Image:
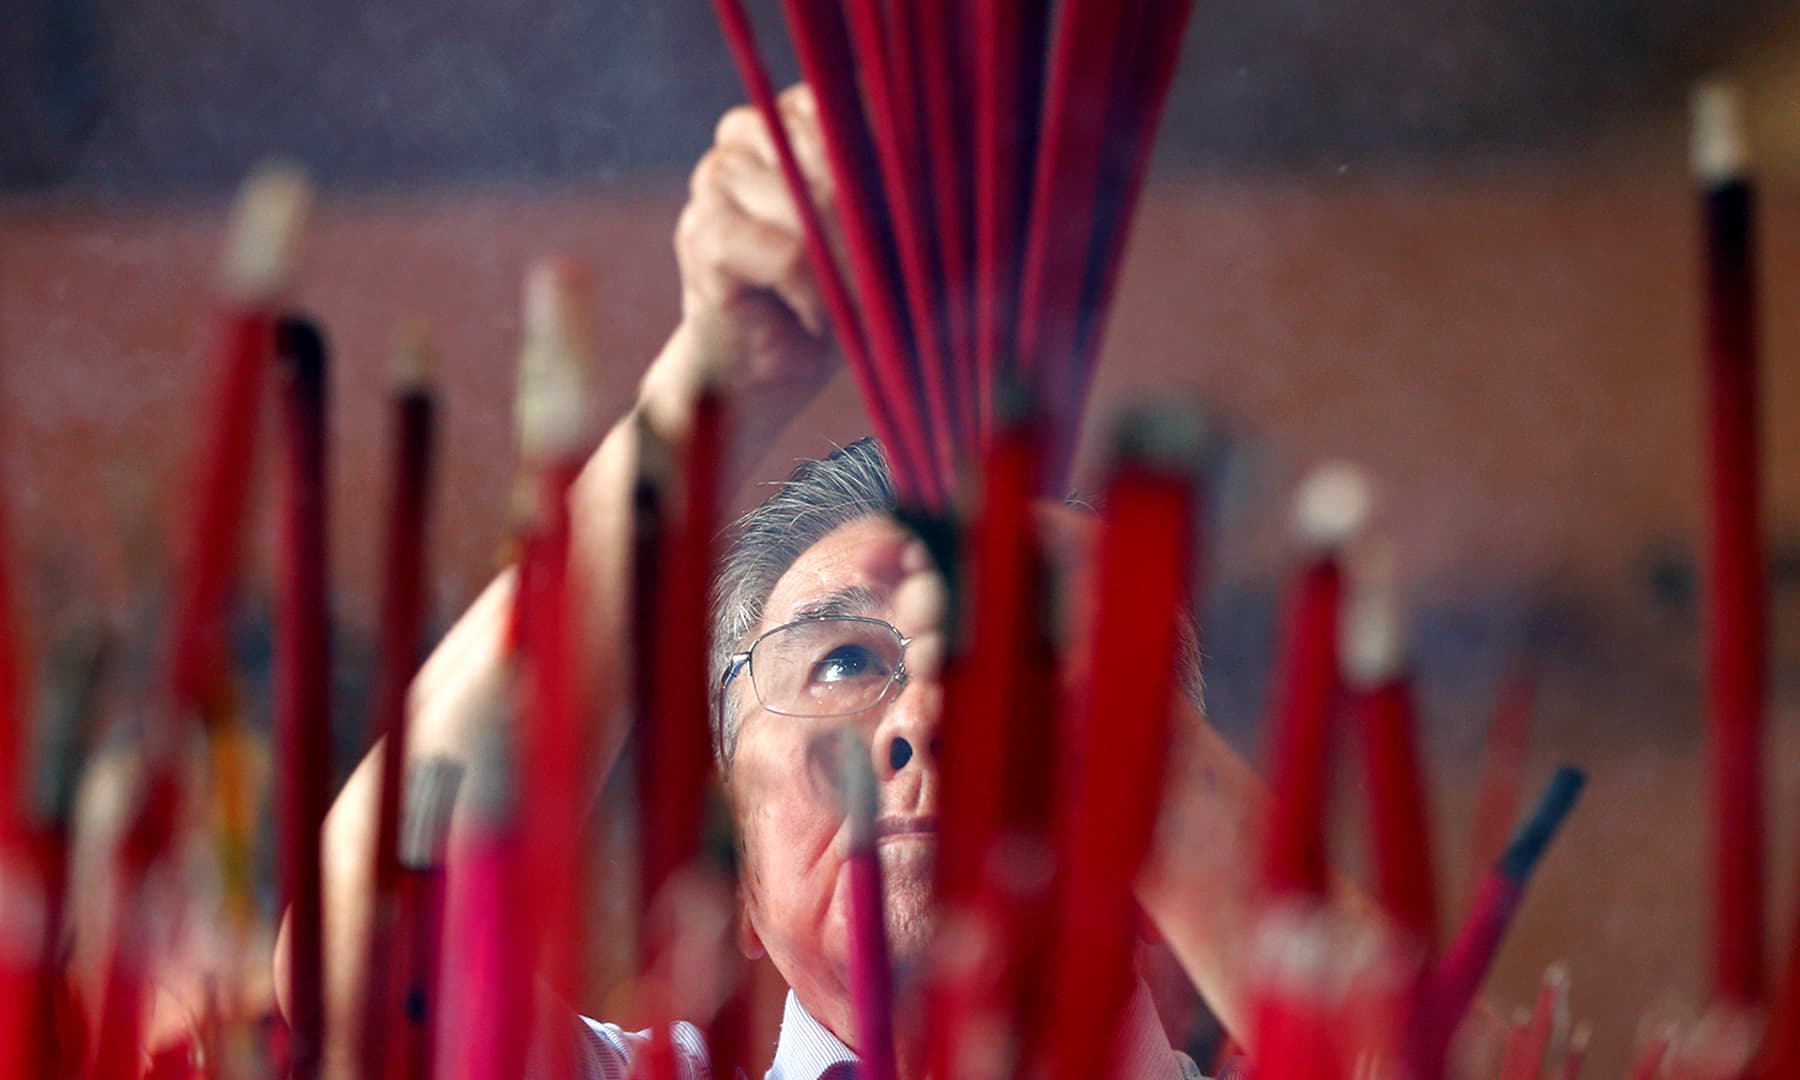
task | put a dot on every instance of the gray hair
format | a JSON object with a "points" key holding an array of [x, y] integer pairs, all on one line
{"points": [[819, 497]]}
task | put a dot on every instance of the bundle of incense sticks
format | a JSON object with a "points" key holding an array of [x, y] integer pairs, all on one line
{"points": [[413, 405], [1736, 621], [260, 248], [976, 257]]}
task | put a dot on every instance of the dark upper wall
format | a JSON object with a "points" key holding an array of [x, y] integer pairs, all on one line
{"points": [[155, 96]]}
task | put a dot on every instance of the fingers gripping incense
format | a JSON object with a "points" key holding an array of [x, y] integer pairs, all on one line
{"points": [[825, 48], [851, 333]]}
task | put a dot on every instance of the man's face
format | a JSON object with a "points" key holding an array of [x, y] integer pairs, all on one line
{"points": [[796, 886]]}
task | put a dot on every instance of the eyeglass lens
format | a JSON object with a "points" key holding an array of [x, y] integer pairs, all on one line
{"points": [[825, 667]]}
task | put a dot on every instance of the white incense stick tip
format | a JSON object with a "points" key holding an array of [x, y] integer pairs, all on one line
{"points": [[414, 365], [1374, 627], [266, 222], [1335, 502], [554, 409], [1581, 1037], [1720, 142], [1557, 975], [425, 817]]}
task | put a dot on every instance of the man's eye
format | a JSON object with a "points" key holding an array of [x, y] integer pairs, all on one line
{"points": [[847, 662]]}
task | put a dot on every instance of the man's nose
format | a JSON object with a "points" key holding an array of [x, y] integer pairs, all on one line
{"points": [[907, 735]]}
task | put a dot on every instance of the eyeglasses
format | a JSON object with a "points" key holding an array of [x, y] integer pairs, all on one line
{"points": [[835, 665]]}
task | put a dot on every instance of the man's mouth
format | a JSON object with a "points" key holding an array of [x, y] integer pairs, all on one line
{"points": [[894, 827]]}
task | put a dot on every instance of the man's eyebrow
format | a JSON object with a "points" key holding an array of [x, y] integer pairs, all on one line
{"points": [[850, 600]]}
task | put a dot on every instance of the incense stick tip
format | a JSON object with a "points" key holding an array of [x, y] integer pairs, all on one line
{"points": [[1720, 142], [414, 365], [266, 222], [1169, 438], [1373, 623], [553, 408], [1335, 501]]}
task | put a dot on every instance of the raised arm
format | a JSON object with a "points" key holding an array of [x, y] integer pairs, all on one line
{"points": [[752, 322]]}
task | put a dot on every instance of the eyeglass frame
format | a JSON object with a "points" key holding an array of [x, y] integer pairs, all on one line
{"points": [[740, 661]]}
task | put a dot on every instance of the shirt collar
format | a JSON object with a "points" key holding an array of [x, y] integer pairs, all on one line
{"points": [[806, 1050]]}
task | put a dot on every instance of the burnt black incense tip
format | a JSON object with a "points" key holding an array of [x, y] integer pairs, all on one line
{"points": [[300, 344], [1168, 438], [1536, 832]]}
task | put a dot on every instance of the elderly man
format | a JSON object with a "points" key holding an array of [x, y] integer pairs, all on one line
{"points": [[820, 559]]}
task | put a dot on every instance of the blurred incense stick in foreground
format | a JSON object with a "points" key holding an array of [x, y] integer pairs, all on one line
{"points": [[1736, 619], [413, 410]]}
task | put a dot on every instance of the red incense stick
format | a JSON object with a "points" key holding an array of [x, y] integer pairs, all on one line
{"points": [[1465, 962], [675, 744], [1382, 700], [1331, 508], [1146, 555], [1088, 34], [414, 408], [1546, 1017], [555, 424], [673, 534], [871, 383], [871, 977], [303, 677], [1736, 619], [411, 1030], [945, 80], [1781, 1056], [1503, 754], [18, 977], [888, 67], [1576, 1055], [1649, 1063], [1294, 1024], [1009, 38], [825, 50], [1513, 1061], [1139, 94], [489, 987], [265, 228], [985, 685]]}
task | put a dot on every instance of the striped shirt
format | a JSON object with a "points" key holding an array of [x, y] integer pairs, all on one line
{"points": [[807, 1051]]}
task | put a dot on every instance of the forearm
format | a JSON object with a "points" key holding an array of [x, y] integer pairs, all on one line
{"points": [[1199, 886], [461, 687]]}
